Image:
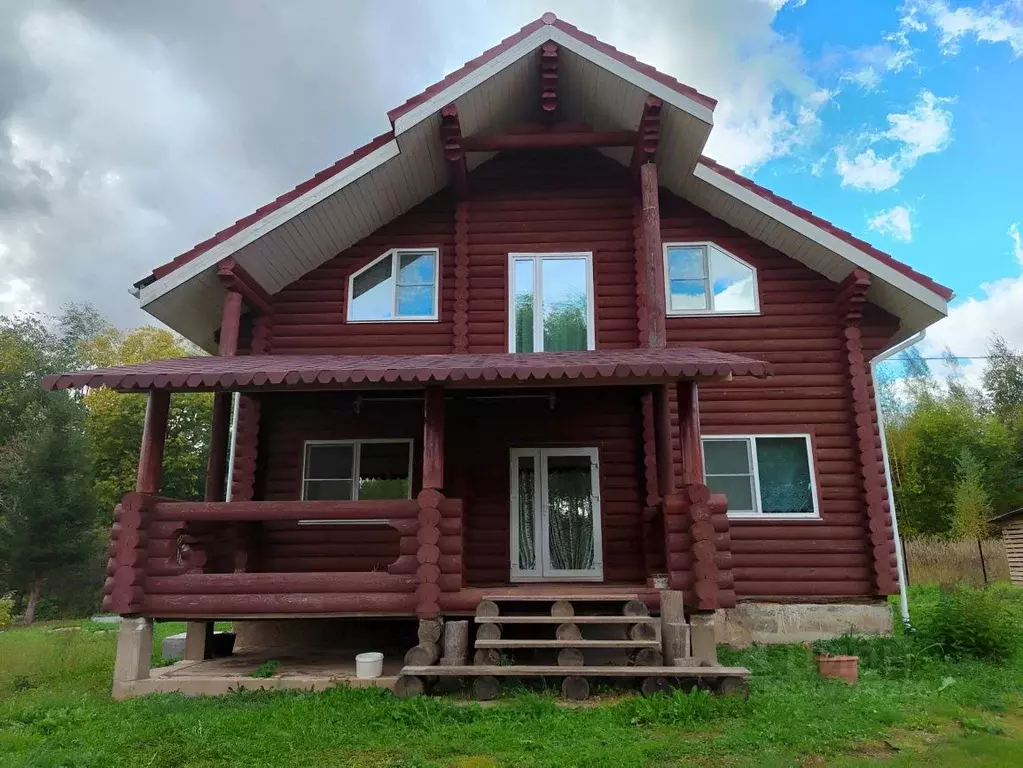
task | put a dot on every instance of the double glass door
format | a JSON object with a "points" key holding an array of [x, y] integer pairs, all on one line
{"points": [[555, 515]]}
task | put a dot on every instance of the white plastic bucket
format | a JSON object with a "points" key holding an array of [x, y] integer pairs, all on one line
{"points": [[369, 665]]}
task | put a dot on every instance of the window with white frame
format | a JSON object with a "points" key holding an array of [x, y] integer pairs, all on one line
{"points": [[401, 285], [762, 475], [550, 304], [350, 470], [704, 279]]}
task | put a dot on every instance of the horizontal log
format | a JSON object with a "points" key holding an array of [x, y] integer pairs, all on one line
{"points": [[233, 511], [279, 583], [325, 564], [803, 588], [548, 140], [216, 606]]}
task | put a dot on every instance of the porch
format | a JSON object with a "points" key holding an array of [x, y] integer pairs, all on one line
{"points": [[487, 437]]}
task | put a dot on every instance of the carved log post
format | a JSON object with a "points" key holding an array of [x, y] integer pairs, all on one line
{"points": [[852, 297], [230, 324], [653, 262]]}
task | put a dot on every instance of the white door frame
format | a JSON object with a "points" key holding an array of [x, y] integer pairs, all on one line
{"points": [[541, 530]]}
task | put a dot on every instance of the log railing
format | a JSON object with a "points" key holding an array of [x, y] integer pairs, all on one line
{"points": [[172, 558]]}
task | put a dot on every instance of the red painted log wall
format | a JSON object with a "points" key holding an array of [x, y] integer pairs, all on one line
{"points": [[800, 331], [309, 314], [581, 201]]}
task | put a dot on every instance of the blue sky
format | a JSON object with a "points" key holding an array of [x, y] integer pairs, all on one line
{"points": [[961, 198], [131, 131]]}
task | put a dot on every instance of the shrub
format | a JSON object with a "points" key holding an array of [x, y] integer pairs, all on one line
{"points": [[6, 611], [968, 622]]}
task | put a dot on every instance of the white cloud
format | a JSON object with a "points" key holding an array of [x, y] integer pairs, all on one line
{"points": [[768, 102], [1017, 244], [872, 62], [126, 136], [894, 222], [1001, 23], [866, 170], [970, 324], [924, 130]]}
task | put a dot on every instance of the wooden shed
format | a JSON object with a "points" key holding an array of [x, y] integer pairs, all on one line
{"points": [[1011, 525]]}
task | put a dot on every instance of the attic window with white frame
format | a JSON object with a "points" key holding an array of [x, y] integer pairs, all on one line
{"points": [[400, 286], [702, 279]]}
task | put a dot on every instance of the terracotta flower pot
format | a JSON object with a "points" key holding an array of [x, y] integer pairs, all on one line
{"points": [[844, 667]]}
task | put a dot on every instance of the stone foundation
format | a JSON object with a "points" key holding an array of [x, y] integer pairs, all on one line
{"points": [[776, 623]]}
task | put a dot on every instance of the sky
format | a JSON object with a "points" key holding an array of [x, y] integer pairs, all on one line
{"points": [[131, 131]]}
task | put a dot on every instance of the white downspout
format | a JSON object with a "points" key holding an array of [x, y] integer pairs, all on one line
{"points": [[899, 557], [233, 435]]}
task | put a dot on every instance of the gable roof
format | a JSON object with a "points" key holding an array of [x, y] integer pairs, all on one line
{"points": [[384, 178]]}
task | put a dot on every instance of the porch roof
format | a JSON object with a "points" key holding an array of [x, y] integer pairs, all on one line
{"points": [[602, 366]]}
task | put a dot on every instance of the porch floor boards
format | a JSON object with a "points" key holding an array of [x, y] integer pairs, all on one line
{"points": [[551, 594], [544, 643], [628, 620]]}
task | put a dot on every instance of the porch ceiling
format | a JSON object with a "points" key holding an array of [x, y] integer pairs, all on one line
{"points": [[595, 367]]}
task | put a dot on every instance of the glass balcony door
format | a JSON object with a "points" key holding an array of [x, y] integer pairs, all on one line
{"points": [[555, 515]]}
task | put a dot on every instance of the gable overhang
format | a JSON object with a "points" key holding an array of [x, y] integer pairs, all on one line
{"points": [[913, 298], [402, 168], [396, 171]]}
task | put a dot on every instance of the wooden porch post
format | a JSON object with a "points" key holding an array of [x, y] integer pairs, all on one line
{"points": [[689, 432], [216, 466], [665, 453], [154, 433], [199, 634], [433, 439]]}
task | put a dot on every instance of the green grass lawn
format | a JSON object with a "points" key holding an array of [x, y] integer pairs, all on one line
{"points": [[908, 709]]}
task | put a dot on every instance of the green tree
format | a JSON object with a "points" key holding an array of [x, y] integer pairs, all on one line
{"points": [[1003, 379], [114, 421], [48, 511], [971, 507]]}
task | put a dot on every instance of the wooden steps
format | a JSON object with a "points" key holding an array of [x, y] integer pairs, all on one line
{"points": [[566, 620], [598, 634], [545, 643]]}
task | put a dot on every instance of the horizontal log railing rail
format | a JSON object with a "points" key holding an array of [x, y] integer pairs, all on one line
{"points": [[187, 559]]}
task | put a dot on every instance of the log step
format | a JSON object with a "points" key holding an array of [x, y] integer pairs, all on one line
{"points": [[568, 644], [552, 598], [529, 670], [566, 619]]}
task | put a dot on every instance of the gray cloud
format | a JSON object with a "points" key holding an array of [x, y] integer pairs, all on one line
{"points": [[131, 131]]}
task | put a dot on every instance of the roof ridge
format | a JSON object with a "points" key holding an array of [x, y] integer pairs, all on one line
{"points": [[842, 234]]}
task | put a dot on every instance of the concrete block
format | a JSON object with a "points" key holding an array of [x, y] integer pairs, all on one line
{"points": [[134, 650], [173, 646]]}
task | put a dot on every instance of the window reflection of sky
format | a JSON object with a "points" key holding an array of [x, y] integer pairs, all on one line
{"points": [[375, 294]]}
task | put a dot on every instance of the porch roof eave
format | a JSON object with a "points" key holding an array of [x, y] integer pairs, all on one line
{"points": [[330, 372]]}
